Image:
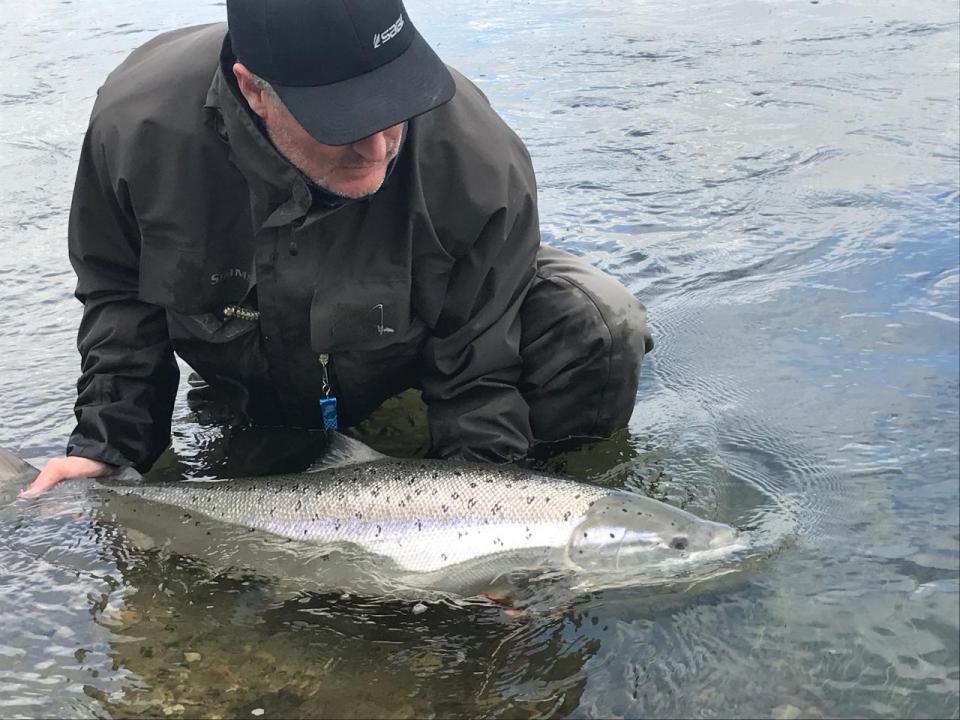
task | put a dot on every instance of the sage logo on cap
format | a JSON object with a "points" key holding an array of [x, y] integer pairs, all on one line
{"points": [[388, 34]]}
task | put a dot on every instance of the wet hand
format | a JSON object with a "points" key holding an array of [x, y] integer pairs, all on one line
{"points": [[62, 468]]}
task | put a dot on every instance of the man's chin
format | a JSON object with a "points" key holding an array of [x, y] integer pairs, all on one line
{"points": [[351, 190]]}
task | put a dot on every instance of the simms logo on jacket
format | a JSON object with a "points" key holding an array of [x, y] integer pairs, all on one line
{"points": [[387, 35]]}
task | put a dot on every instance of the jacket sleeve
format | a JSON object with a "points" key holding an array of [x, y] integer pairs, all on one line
{"points": [[472, 360], [128, 375]]}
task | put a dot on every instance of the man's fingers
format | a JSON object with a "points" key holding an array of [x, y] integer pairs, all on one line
{"points": [[61, 468], [43, 482]]}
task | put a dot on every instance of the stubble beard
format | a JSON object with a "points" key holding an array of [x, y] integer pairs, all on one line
{"points": [[288, 148]]}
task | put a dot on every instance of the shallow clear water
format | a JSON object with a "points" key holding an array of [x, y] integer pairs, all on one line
{"points": [[779, 182]]}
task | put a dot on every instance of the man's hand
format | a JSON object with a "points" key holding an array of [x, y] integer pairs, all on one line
{"points": [[65, 467]]}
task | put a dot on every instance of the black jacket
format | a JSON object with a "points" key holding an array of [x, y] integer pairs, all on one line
{"points": [[182, 207]]}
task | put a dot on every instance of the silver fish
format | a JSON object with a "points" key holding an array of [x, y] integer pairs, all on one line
{"points": [[436, 525]]}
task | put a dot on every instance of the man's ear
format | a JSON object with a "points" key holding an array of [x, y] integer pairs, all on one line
{"points": [[254, 95]]}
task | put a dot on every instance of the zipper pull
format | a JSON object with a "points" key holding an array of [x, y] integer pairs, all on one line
{"points": [[328, 403]]}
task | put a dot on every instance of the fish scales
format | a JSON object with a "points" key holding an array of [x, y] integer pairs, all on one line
{"points": [[423, 515]]}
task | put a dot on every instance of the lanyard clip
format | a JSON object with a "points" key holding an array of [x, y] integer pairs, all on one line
{"points": [[328, 403]]}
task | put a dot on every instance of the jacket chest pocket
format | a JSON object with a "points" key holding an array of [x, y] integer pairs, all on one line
{"points": [[368, 314], [190, 282]]}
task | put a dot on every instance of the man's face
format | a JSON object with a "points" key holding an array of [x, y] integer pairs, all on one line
{"points": [[352, 171]]}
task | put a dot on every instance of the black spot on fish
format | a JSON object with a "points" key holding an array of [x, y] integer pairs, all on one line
{"points": [[584, 534], [530, 500], [359, 515], [612, 535], [473, 484], [623, 509], [566, 515], [433, 475], [457, 473], [443, 556], [419, 525], [299, 505], [455, 496], [379, 530]]}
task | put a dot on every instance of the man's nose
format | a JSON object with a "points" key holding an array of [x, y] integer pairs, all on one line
{"points": [[372, 148]]}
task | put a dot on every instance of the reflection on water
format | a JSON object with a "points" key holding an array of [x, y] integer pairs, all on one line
{"points": [[778, 182]]}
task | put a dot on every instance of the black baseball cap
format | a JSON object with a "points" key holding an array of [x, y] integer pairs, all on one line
{"points": [[345, 69]]}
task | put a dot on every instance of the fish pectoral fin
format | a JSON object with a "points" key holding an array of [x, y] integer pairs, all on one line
{"points": [[506, 602], [140, 540], [343, 451], [503, 599]]}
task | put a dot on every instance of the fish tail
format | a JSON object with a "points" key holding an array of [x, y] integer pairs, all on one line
{"points": [[13, 470]]}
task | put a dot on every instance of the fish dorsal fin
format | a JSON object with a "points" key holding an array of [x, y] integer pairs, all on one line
{"points": [[343, 451], [15, 470]]}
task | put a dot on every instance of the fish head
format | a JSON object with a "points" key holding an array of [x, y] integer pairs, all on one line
{"points": [[622, 531]]}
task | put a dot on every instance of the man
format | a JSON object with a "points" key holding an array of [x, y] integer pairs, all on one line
{"points": [[316, 214]]}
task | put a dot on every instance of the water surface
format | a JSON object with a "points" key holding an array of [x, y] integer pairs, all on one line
{"points": [[778, 182]]}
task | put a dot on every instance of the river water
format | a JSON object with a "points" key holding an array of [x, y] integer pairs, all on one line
{"points": [[778, 181]]}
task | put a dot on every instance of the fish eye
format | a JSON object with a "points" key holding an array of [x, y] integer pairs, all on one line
{"points": [[679, 543]]}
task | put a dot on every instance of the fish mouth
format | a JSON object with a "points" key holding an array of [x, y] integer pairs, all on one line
{"points": [[724, 538]]}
